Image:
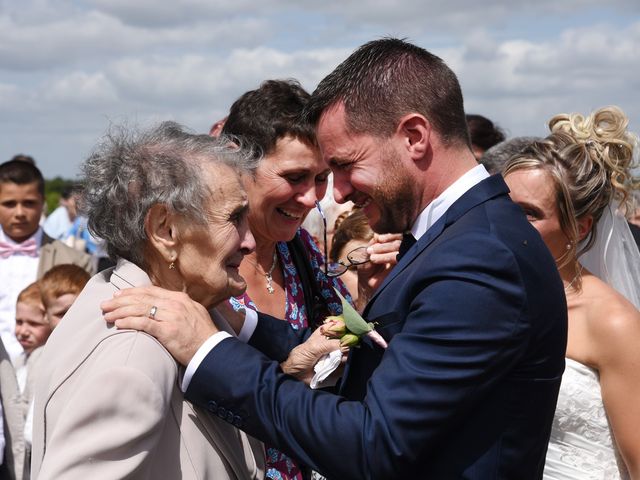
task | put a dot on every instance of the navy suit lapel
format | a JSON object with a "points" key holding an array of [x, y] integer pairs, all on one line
{"points": [[483, 191], [407, 258]]}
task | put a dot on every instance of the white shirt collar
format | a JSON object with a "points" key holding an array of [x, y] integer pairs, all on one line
{"points": [[37, 236], [437, 208]]}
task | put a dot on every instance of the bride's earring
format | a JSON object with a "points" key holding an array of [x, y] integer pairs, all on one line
{"points": [[172, 265]]}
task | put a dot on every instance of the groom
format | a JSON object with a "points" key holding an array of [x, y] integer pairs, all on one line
{"points": [[474, 311]]}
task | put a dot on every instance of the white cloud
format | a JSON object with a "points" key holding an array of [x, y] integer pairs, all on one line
{"points": [[154, 13], [524, 83], [95, 36], [80, 89], [68, 68], [416, 18], [190, 81], [7, 93]]}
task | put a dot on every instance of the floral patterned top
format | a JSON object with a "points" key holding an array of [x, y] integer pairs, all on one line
{"points": [[278, 465]]}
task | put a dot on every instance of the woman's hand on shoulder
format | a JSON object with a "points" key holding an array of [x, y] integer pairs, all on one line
{"points": [[179, 323]]}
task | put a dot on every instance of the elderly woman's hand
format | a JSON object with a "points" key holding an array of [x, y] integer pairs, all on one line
{"points": [[179, 323], [304, 357], [382, 251]]}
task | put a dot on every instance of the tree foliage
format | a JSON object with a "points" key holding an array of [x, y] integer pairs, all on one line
{"points": [[53, 189]]}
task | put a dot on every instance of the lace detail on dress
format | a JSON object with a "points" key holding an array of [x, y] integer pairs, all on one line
{"points": [[581, 444]]}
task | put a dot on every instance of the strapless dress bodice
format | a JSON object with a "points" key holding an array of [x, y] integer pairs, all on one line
{"points": [[581, 446]]}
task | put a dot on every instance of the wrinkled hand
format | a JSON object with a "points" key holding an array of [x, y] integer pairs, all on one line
{"points": [[304, 357], [180, 324], [382, 250]]}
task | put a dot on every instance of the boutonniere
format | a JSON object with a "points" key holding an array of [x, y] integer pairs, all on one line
{"points": [[350, 326]]}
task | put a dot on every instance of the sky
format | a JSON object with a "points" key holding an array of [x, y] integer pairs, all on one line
{"points": [[71, 68]]}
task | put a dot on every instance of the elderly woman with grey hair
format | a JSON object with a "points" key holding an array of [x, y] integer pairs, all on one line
{"points": [[172, 210]]}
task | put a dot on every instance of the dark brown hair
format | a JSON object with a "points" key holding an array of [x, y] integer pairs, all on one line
{"points": [[21, 173], [263, 116], [386, 79], [483, 132]]}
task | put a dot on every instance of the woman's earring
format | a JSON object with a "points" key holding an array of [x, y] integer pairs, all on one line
{"points": [[568, 248], [172, 266]]}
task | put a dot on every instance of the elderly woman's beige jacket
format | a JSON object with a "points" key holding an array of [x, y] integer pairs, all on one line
{"points": [[108, 404]]}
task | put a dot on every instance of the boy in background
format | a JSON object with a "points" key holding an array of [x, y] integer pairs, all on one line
{"points": [[59, 288], [26, 252]]}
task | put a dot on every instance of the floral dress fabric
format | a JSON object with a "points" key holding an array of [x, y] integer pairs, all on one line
{"points": [[278, 465]]}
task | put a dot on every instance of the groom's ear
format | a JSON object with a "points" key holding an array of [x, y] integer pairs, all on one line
{"points": [[161, 228], [416, 134]]}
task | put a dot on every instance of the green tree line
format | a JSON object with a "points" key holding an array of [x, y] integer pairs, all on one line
{"points": [[53, 189]]}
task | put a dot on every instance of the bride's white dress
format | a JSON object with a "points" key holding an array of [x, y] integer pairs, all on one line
{"points": [[581, 445]]}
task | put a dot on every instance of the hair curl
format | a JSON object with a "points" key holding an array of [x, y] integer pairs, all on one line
{"points": [[129, 171], [590, 161]]}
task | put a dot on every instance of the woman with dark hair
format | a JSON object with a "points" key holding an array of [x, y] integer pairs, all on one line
{"points": [[285, 275], [483, 134], [572, 186]]}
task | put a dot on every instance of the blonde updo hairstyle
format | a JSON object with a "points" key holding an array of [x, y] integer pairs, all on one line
{"points": [[589, 160]]}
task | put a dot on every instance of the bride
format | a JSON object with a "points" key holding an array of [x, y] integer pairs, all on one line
{"points": [[572, 186]]}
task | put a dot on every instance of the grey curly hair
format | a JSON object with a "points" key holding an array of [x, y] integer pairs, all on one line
{"points": [[130, 170]]}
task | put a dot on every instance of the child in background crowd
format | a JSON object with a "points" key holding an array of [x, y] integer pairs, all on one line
{"points": [[32, 328], [352, 234], [59, 288], [32, 331], [26, 252]]}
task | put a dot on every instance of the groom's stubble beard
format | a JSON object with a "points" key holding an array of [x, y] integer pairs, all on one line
{"points": [[394, 195]]}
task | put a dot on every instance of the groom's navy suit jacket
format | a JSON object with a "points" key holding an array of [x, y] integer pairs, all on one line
{"points": [[475, 317]]}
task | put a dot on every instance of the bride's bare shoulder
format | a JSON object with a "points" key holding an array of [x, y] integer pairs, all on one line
{"points": [[612, 321]]}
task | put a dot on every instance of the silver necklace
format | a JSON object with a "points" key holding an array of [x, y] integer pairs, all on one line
{"points": [[578, 272], [268, 275]]}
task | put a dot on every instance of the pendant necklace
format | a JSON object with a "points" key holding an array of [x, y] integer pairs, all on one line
{"points": [[269, 273]]}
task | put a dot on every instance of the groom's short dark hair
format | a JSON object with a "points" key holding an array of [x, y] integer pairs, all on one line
{"points": [[386, 79]]}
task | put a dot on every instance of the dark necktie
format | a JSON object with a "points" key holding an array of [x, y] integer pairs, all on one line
{"points": [[407, 242]]}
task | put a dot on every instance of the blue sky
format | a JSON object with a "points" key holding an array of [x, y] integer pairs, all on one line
{"points": [[70, 68]]}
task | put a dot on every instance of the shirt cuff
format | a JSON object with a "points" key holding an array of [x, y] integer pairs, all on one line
{"points": [[200, 355], [249, 325]]}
